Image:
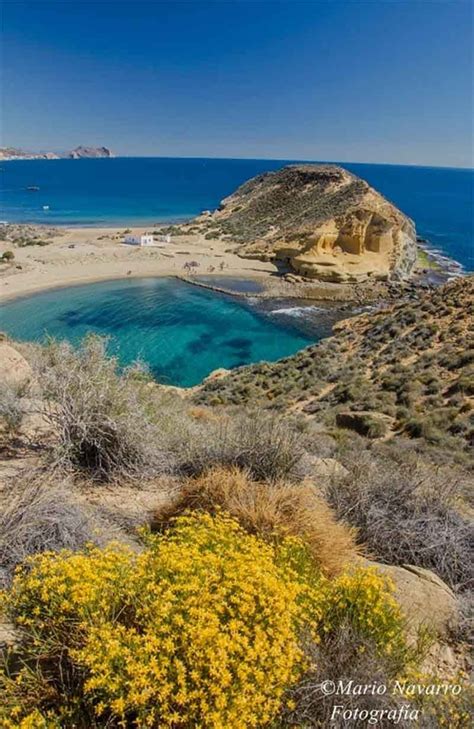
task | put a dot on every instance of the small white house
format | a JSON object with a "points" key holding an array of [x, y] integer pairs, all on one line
{"points": [[139, 240]]}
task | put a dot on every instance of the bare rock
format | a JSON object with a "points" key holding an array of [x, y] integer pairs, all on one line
{"points": [[424, 598], [216, 375], [14, 369], [8, 635], [327, 467]]}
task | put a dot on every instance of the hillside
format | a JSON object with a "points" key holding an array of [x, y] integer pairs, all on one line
{"points": [[411, 363], [148, 542], [323, 221]]}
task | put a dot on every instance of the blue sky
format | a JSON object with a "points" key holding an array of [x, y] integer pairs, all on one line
{"points": [[371, 81]]}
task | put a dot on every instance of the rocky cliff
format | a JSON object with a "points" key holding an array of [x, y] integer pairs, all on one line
{"points": [[324, 221]]}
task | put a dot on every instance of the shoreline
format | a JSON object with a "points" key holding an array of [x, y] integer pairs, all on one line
{"points": [[49, 286], [52, 258], [48, 258]]}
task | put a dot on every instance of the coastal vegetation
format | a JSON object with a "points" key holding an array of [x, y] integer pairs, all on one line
{"points": [[412, 365], [210, 557]]}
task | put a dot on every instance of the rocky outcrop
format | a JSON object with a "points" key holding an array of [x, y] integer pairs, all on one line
{"points": [[14, 369], [82, 152], [325, 222], [425, 599]]}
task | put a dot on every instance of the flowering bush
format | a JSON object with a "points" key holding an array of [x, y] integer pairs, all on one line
{"points": [[363, 600], [199, 629]]}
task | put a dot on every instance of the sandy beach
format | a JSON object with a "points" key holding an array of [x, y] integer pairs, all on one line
{"points": [[84, 255], [63, 256]]}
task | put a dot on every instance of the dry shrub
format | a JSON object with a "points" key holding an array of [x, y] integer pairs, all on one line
{"points": [[11, 407], [343, 656], [106, 421], [407, 512], [266, 446], [265, 509], [42, 515]]}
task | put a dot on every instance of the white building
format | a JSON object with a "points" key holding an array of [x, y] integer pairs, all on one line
{"points": [[146, 239], [139, 240]]}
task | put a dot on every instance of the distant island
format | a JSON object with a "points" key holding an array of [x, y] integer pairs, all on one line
{"points": [[81, 152]]}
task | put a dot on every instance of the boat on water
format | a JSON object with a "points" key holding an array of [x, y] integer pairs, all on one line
{"points": [[33, 188], [45, 207]]}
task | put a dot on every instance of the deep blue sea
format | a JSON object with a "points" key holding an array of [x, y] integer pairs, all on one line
{"points": [[152, 190], [180, 331]]}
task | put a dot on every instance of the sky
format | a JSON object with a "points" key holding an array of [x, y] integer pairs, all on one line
{"points": [[386, 81]]}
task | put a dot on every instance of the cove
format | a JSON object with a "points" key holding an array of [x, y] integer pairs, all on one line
{"points": [[181, 332]]}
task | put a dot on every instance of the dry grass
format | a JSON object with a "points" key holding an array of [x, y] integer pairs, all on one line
{"points": [[407, 512], [42, 515], [343, 656], [264, 445], [11, 407], [266, 509]]}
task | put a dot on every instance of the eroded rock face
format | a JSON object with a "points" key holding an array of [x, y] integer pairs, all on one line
{"points": [[324, 221]]}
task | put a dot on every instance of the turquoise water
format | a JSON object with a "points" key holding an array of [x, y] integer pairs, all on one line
{"points": [[181, 331], [152, 190]]}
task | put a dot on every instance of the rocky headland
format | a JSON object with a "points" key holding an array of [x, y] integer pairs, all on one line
{"points": [[321, 220]]}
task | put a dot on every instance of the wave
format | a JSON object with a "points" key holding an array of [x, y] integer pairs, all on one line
{"points": [[449, 265], [298, 311]]}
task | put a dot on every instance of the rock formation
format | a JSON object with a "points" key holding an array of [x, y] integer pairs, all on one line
{"points": [[325, 222], [81, 152]]}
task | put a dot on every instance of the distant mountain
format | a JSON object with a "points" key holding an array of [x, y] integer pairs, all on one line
{"points": [[81, 152], [7, 153]]}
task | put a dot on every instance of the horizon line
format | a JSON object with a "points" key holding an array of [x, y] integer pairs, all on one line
{"points": [[248, 159]]}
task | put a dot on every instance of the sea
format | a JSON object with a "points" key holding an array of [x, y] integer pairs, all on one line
{"points": [[184, 332], [153, 190]]}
